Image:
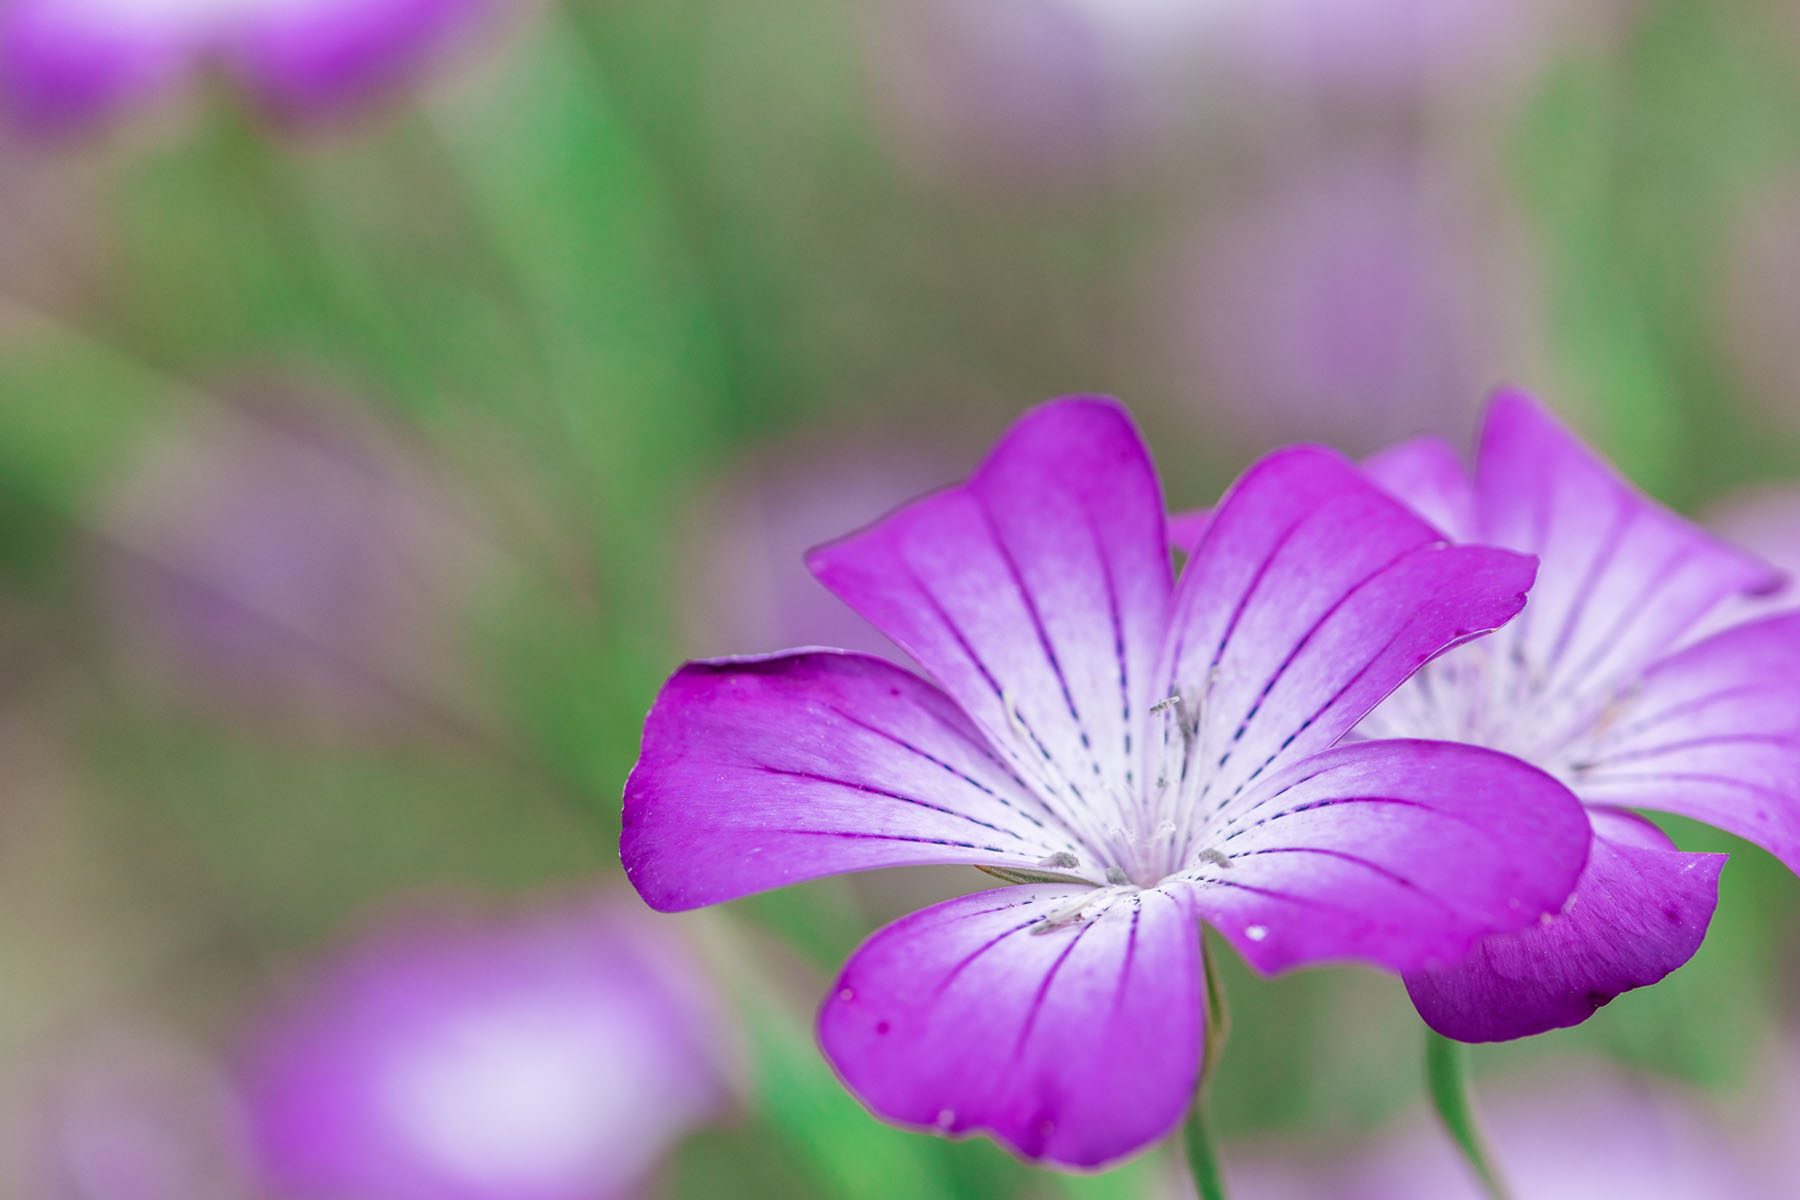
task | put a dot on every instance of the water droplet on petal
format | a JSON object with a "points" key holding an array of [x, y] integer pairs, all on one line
{"points": [[1256, 933]]}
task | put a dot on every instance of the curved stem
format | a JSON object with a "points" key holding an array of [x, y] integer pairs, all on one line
{"points": [[1445, 1072], [1196, 1134]]}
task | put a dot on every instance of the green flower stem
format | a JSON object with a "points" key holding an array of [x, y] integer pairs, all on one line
{"points": [[1196, 1134], [1445, 1072]]}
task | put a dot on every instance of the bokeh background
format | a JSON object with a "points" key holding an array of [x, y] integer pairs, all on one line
{"points": [[363, 475]]}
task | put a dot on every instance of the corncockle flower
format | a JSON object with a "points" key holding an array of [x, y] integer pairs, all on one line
{"points": [[1138, 753], [1597, 684], [549, 1057], [64, 63]]}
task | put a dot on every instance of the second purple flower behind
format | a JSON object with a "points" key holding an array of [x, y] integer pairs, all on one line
{"points": [[1141, 753]]}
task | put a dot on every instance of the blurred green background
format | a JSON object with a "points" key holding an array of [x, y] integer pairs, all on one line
{"points": [[587, 336]]}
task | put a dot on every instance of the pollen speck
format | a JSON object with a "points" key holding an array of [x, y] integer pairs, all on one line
{"points": [[847, 995], [1256, 933], [946, 1117]]}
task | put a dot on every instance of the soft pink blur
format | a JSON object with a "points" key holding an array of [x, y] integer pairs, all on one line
{"points": [[281, 558], [747, 586], [126, 1115], [551, 1055], [1564, 1135], [1358, 301]]}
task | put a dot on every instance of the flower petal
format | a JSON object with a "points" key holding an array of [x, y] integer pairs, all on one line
{"points": [[1621, 577], [1187, 528], [313, 58], [1639, 911], [1312, 596], [760, 772], [1036, 595], [1713, 733], [1396, 853], [1078, 1043], [1428, 476], [65, 65]]}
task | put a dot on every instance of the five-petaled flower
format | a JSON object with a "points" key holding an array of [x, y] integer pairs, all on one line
{"points": [[1144, 753], [65, 63], [1603, 682]]}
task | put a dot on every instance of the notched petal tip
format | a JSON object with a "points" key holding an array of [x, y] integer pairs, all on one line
{"points": [[1076, 1048]]}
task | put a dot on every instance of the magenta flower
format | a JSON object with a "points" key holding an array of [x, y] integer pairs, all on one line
{"points": [[65, 63], [548, 1058], [1141, 753], [1595, 683]]}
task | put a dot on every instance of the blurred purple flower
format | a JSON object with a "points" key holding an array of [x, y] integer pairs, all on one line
{"points": [[289, 560], [1592, 684], [1562, 1136], [1036, 90], [68, 63], [1137, 754], [546, 1057], [1351, 307], [748, 585], [1379, 43], [130, 1116]]}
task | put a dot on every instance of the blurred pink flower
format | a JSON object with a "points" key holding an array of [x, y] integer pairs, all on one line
{"points": [[289, 561], [67, 63], [1354, 306], [1562, 1136], [1381, 43], [747, 586], [128, 1116], [1026, 91], [553, 1056]]}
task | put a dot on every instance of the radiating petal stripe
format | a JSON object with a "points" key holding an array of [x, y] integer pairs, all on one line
{"points": [[1312, 596], [1621, 577], [1713, 733], [1036, 595], [755, 773], [1076, 1044], [1416, 850], [1370, 641]]}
